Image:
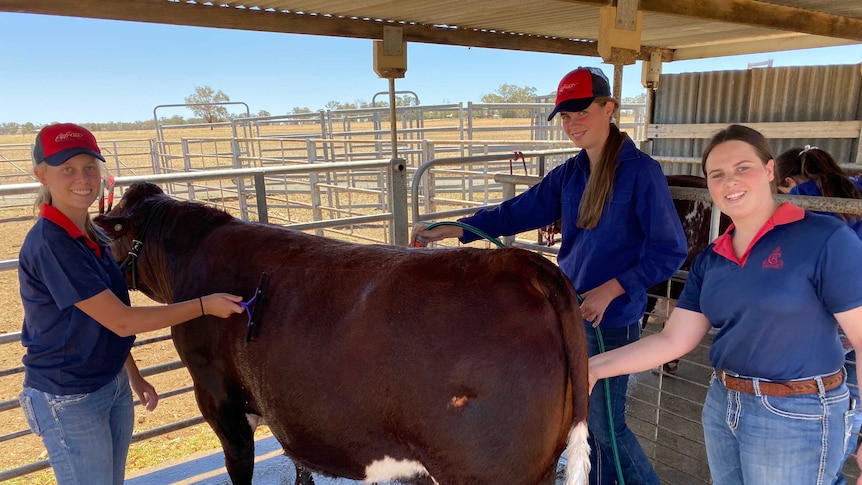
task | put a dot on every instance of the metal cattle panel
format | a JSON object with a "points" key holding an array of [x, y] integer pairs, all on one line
{"points": [[809, 93], [676, 108], [783, 94]]}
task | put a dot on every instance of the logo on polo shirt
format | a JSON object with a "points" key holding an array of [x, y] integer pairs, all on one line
{"points": [[774, 260]]}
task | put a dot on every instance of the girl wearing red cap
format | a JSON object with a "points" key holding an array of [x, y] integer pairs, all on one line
{"points": [[78, 323], [620, 236]]}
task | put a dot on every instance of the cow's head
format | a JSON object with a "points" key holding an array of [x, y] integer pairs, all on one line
{"points": [[128, 225]]}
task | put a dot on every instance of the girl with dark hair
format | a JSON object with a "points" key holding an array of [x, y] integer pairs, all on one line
{"points": [[773, 286], [620, 236], [811, 171]]}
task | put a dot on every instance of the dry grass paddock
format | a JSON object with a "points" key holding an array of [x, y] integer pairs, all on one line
{"points": [[16, 219]]}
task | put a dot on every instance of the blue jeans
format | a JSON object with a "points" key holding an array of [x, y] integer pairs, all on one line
{"points": [[87, 435], [793, 440], [635, 465], [853, 386]]}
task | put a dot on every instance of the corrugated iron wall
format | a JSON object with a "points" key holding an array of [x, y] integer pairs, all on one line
{"points": [[807, 93]]}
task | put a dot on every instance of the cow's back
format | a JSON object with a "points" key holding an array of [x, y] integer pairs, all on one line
{"points": [[418, 355]]}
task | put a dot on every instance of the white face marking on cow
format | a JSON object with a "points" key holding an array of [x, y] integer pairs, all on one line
{"points": [[389, 469], [254, 421]]}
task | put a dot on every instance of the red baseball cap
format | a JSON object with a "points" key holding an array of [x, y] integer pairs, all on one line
{"points": [[579, 88], [57, 143]]}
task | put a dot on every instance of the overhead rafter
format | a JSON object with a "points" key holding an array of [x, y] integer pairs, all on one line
{"points": [[776, 44], [753, 13], [216, 16]]}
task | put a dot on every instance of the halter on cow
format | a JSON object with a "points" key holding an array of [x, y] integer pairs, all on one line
{"points": [[373, 362]]}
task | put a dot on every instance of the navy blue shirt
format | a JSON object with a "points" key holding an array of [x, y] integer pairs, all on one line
{"points": [[810, 188], [774, 306], [67, 351], [639, 239]]}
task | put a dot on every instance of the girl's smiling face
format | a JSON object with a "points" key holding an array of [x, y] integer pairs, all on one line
{"points": [[739, 181], [74, 184], [588, 129]]}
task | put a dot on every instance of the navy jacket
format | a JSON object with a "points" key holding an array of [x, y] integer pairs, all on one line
{"points": [[639, 239]]}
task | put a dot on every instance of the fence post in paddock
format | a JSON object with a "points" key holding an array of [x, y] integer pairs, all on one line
{"points": [[187, 166], [400, 231], [508, 193], [155, 155], [427, 151], [470, 116], [260, 196], [236, 161]]}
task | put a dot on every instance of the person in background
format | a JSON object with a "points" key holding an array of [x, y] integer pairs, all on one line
{"points": [[774, 287], [78, 323], [620, 236], [811, 171]]}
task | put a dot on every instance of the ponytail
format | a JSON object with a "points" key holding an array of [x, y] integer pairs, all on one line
{"points": [[812, 163], [600, 185]]}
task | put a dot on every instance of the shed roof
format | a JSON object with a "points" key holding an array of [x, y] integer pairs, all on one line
{"points": [[678, 29]]}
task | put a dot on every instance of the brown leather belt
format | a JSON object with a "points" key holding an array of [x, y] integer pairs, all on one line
{"points": [[780, 389]]}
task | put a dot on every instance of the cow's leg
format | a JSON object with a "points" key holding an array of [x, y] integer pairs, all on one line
{"points": [[227, 418], [303, 476]]}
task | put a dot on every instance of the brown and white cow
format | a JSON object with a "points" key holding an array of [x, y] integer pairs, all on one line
{"points": [[466, 366], [696, 218]]}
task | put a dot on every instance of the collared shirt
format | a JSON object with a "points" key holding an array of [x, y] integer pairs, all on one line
{"points": [[68, 352], [774, 306], [639, 239]]}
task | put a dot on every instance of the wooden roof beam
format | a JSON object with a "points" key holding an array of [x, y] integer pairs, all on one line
{"points": [[198, 15], [755, 14]]}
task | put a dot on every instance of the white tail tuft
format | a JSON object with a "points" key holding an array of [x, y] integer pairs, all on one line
{"points": [[577, 455]]}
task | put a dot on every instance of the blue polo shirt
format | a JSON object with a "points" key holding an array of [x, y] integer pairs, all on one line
{"points": [[809, 187], [774, 307], [639, 239], [67, 351]]}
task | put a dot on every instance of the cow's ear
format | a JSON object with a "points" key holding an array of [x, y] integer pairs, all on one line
{"points": [[114, 226]]}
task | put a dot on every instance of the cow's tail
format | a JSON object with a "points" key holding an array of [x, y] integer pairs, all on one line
{"points": [[577, 453]]}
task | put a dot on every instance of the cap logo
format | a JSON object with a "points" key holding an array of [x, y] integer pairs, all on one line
{"points": [[567, 87], [61, 137]]}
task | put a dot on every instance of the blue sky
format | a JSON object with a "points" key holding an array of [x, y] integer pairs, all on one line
{"points": [[82, 70]]}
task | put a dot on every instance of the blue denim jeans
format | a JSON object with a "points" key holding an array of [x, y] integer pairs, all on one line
{"points": [[635, 465], [793, 440], [87, 435], [853, 386]]}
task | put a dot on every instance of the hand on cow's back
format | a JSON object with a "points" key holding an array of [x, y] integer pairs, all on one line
{"points": [[421, 235], [221, 305]]}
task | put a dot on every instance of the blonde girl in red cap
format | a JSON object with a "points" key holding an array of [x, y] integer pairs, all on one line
{"points": [[78, 323]]}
